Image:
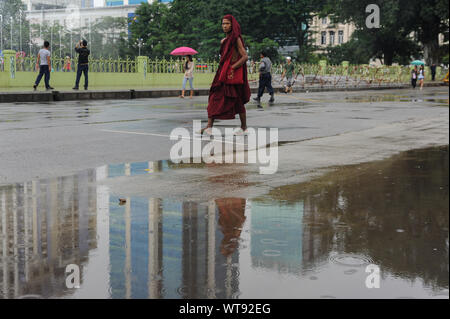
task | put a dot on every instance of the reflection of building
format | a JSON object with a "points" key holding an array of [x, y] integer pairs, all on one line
{"points": [[167, 249], [56, 4], [44, 227], [276, 242]]}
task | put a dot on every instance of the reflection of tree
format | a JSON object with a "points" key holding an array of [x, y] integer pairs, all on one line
{"points": [[395, 211], [231, 219]]}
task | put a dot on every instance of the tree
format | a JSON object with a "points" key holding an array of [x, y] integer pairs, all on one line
{"points": [[20, 27], [430, 19], [351, 51], [399, 20], [197, 23], [151, 24], [292, 19]]}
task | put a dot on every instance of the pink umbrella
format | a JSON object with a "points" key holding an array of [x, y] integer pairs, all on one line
{"points": [[183, 51]]}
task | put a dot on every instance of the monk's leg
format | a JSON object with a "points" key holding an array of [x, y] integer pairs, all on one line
{"points": [[243, 117], [210, 125]]}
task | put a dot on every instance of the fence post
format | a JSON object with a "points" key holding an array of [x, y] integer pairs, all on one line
{"points": [[323, 66], [7, 54], [345, 65], [439, 76], [141, 60]]}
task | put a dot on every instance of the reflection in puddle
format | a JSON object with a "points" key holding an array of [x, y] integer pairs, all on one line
{"points": [[311, 240], [395, 98]]}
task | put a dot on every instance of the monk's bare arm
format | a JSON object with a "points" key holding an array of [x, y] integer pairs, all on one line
{"points": [[242, 53]]}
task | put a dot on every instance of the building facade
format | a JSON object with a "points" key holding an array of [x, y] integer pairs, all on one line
{"points": [[326, 33]]}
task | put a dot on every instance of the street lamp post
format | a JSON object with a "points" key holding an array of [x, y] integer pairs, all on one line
{"points": [[60, 44], [140, 43], [30, 41], [71, 50], [51, 36], [90, 31], [20, 32], [11, 27], [1, 32]]}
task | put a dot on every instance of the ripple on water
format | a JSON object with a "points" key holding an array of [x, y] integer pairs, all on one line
{"points": [[350, 272], [182, 290], [351, 260], [271, 253], [236, 295], [30, 297]]}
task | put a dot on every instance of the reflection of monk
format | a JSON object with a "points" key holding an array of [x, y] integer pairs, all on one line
{"points": [[231, 219]]}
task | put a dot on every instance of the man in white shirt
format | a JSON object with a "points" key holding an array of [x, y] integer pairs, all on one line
{"points": [[45, 66]]}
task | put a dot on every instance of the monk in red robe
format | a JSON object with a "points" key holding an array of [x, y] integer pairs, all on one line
{"points": [[230, 90]]}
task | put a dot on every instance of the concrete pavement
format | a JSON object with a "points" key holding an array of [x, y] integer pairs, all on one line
{"points": [[316, 130]]}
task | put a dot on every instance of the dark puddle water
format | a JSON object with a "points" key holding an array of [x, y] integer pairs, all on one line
{"points": [[311, 240], [396, 98]]}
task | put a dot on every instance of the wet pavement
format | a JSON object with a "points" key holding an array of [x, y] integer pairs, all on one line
{"points": [[307, 240], [55, 139], [362, 180]]}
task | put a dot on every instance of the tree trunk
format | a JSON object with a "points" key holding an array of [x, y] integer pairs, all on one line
{"points": [[431, 50], [388, 57]]}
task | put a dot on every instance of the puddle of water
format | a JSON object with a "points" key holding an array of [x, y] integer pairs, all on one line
{"points": [[394, 98], [311, 240]]}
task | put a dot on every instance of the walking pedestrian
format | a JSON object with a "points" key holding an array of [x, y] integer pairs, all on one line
{"points": [[265, 78], [414, 73], [229, 91], [421, 76], [83, 63], [45, 66], [288, 72], [189, 66], [433, 71]]}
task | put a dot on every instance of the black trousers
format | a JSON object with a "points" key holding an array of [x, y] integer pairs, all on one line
{"points": [[414, 83], [265, 81], [44, 70], [82, 69]]}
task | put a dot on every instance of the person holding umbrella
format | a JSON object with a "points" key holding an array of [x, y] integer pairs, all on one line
{"points": [[188, 67], [188, 75], [420, 74]]}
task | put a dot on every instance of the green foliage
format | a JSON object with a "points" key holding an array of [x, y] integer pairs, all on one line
{"points": [[106, 38], [256, 47], [351, 51], [14, 9], [443, 54], [399, 18], [306, 55], [197, 24]]}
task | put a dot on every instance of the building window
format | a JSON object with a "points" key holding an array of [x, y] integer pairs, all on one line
{"points": [[324, 20], [331, 37], [323, 38], [341, 37]]}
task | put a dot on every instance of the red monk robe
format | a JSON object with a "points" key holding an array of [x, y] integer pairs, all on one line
{"points": [[227, 100]]}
